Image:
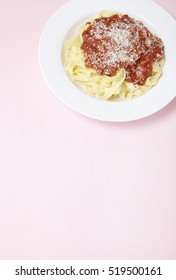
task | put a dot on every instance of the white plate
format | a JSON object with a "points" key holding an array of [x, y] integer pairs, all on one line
{"points": [[75, 12]]}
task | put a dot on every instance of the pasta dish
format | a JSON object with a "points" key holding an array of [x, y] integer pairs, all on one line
{"points": [[114, 56]]}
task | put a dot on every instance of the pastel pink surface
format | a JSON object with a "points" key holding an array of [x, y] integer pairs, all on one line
{"points": [[72, 187]]}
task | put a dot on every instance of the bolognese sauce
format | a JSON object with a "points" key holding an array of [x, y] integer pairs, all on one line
{"points": [[118, 41]]}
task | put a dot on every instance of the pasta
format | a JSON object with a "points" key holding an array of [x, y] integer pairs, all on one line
{"points": [[103, 86]]}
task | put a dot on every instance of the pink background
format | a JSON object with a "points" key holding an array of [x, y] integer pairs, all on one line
{"points": [[72, 187]]}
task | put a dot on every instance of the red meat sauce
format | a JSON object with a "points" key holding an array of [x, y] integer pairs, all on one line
{"points": [[118, 41]]}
